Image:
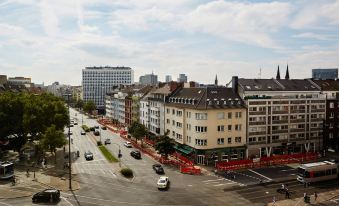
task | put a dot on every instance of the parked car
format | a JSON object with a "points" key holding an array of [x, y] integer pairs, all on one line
{"points": [[97, 127], [107, 141], [48, 195], [71, 125], [136, 154], [103, 128], [75, 123], [83, 132], [163, 182], [158, 169], [96, 133], [128, 144], [88, 155], [92, 129]]}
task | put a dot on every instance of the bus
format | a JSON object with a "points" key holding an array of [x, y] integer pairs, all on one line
{"points": [[317, 171], [6, 170]]}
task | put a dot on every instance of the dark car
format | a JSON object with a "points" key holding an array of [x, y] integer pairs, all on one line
{"points": [[96, 133], [92, 129], [88, 155], [103, 128], [48, 195], [136, 154], [158, 169]]}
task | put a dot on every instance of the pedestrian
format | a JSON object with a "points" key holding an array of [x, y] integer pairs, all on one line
{"points": [[287, 194], [27, 172], [305, 197], [315, 196], [274, 200]]}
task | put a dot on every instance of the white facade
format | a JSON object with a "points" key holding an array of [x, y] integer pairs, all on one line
{"points": [[97, 81]]}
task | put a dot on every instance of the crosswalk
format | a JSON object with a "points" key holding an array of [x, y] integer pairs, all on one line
{"points": [[221, 182], [96, 167]]}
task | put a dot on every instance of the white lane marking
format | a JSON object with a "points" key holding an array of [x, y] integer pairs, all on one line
{"points": [[218, 185], [114, 175], [69, 203], [5, 204], [213, 180], [288, 170], [260, 174]]}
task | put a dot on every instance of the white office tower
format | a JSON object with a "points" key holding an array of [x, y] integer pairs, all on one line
{"points": [[97, 81]]}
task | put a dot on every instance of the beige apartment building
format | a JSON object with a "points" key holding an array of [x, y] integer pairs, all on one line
{"points": [[209, 124]]}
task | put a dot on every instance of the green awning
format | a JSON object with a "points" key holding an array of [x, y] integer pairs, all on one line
{"points": [[184, 149]]}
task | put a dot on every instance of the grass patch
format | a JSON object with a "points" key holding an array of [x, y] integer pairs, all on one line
{"points": [[85, 128], [107, 154]]}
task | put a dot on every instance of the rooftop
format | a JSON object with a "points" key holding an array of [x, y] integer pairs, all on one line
{"points": [[277, 85]]}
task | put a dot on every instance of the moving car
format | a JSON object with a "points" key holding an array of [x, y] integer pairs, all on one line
{"points": [[163, 182], [96, 133], [97, 127], [83, 132], [75, 123], [107, 141], [128, 144], [136, 154], [158, 169], [88, 155], [92, 129], [48, 195]]}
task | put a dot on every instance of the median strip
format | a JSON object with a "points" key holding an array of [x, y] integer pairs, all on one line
{"points": [[107, 154]]}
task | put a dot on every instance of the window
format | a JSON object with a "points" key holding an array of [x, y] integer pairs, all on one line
{"points": [[330, 135], [188, 139], [238, 127], [201, 142], [331, 105], [173, 122], [221, 141], [252, 139], [179, 113], [173, 133], [179, 124], [229, 127], [238, 139], [179, 136], [173, 112], [167, 111], [220, 128], [201, 116], [168, 121], [229, 140], [221, 115], [238, 115], [229, 115], [188, 114], [200, 129]]}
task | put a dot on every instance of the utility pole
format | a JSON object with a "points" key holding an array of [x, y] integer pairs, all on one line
{"points": [[69, 146]]}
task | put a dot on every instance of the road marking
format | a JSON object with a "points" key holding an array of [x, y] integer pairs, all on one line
{"points": [[288, 170], [218, 185], [67, 201], [260, 174], [5, 204], [213, 180]]}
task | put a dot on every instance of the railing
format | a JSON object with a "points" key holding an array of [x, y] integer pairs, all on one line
{"points": [[257, 133], [257, 123]]}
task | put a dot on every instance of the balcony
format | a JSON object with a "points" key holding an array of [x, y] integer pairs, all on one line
{"points": [[297, 120], [257, 113], [318, 110], [317, 120], [317, 129], [297, 130], [280, 112], [279, 131], [257, 123], [256, 143], [279, 140], [297, 139], [257, 133], [297, 111], [279, 121]]}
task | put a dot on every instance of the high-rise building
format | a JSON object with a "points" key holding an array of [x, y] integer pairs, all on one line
{"points": [[168, 78], [18, 80], [148, 79], [97, 81], [325, 73], [182, 78]]}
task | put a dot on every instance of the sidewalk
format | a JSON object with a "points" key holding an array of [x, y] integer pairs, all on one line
{"points": [[322, 198], [51, 176]]}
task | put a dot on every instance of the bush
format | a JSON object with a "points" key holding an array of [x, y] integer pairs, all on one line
{"points": [[99, 143], [127, 172]]}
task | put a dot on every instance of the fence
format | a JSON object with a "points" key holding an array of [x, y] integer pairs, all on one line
{"points": [[267, 161]]}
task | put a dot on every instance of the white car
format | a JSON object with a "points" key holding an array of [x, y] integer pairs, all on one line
{"points": [[163, 182], [128, 144]]}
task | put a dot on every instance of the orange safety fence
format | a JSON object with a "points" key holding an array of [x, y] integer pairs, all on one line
{"points": [[190, 170]]}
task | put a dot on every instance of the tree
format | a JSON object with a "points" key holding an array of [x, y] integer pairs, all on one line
{"points": [[52, 139], [138, 131], [89, 107], [165, 145], [79, 104]]}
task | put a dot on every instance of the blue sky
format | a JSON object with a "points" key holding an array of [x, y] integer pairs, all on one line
{"points": [[54, 40]]}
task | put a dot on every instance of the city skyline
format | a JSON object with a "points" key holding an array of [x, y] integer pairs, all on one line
{"points": [[54, 41]]}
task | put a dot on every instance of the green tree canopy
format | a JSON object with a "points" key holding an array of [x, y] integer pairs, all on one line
{"points": [[137, 130], [165, 145], [79, 104], [89, 107], [52, 139]]}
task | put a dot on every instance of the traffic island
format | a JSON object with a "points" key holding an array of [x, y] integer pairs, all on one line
{"points": [[127, 172], [108, 155]]}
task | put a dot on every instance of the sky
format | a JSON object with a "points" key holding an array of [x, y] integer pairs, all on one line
{"points": [[52, 41]]}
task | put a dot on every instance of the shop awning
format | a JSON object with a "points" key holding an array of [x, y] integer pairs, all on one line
{"points": [[184, 149]]}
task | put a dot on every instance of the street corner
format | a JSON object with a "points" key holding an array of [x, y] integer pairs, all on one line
{"points": [[13, 192], [60, 183]]}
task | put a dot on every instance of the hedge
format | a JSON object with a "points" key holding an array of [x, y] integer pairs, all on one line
{"points": [[127, 172]]}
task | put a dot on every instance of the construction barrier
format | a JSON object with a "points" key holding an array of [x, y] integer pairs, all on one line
{"points": [[190, 170], [267, 161]]}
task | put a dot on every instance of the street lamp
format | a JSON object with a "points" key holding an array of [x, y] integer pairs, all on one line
{"points": [[69, 145], [119, 154]]}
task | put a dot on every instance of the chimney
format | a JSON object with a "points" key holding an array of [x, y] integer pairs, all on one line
{"points": [[235, 84]]}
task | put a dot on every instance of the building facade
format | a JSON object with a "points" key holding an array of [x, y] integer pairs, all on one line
{"points": [[18, 80], [283, 116], [148, 79], [182, 78], [209, 124], [168, 78], [325, 74], [97, 81]]}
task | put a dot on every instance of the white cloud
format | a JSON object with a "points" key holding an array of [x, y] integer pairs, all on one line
{"points": [[49, 19], [242, 22]]}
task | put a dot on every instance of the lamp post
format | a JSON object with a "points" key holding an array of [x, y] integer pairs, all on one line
{"points": [[119, 154], [69, 145]]}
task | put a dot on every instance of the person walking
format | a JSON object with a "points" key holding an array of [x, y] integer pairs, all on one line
{"points": [[274, 200], [287, 193], [315, 196]]}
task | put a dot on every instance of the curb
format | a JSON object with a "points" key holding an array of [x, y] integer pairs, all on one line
{"points": [[47, 185], [28, 194]]}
